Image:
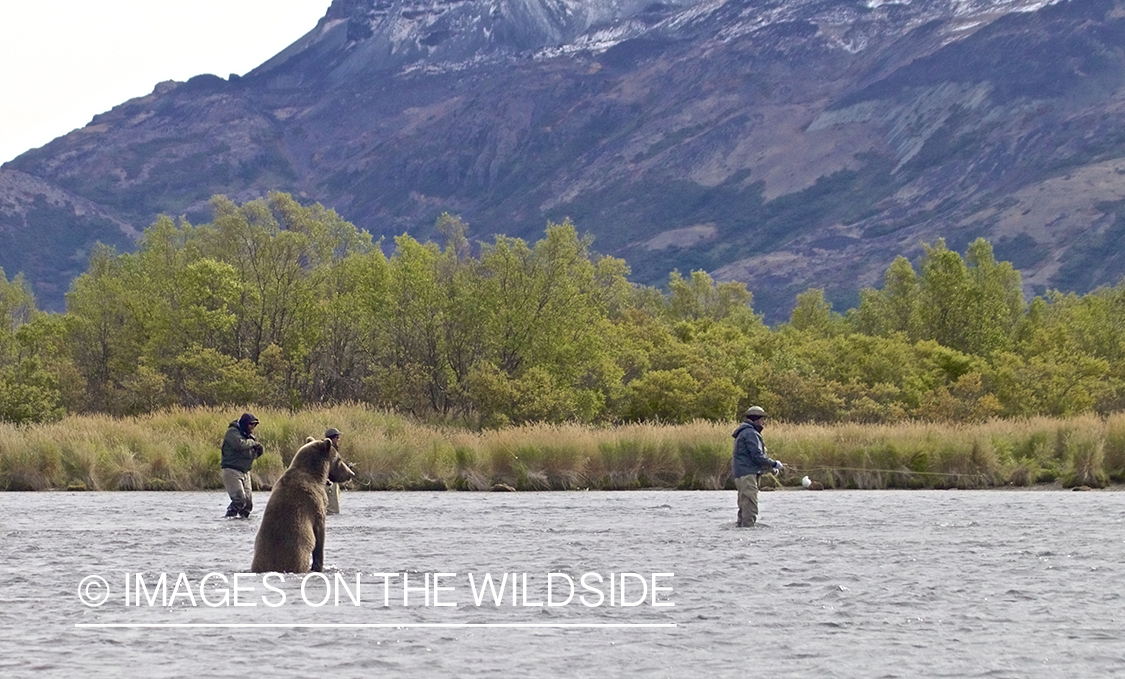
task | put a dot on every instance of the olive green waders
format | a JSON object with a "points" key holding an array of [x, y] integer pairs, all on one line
{"points": [[747, 500]]}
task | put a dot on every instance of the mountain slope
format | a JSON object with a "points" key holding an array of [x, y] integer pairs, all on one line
{"points": [[788, 144]]}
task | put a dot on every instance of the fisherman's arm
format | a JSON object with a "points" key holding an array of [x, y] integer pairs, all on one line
{"points": [[759, 457], [242, 444]]}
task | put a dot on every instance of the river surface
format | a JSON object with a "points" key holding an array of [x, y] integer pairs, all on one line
{"points": [[835, 584]]}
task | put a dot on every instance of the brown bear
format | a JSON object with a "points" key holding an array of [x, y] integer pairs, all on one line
{"points": [[292, 530]]}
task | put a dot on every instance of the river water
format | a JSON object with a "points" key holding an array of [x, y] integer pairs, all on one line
{"points": [[836, 583]]}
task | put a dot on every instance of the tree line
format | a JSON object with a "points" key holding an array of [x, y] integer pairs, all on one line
{"points": [[283, 305]]}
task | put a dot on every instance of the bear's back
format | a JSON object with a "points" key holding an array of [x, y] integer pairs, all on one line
{"points": [[286, 536]]}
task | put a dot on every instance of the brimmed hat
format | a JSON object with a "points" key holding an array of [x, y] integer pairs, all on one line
{"points": [[331, 432], [755, 412]]}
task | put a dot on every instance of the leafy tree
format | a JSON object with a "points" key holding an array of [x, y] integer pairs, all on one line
{"points": [[973, 307], [17, 304], [664, 395], [205, 377], [104, 334], [279, 303], [413, 370], [895, 308], [945, 297], [545, 307], [700, 297], [997, 300], [28, 394], [30, 362], [814, 314]]}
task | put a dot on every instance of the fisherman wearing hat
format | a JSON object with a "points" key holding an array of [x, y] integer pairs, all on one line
{"points": [[749, 463], [333, 489], [240, 449]]}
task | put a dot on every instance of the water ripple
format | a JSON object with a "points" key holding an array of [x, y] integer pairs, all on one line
{"points": [[840, 584]]}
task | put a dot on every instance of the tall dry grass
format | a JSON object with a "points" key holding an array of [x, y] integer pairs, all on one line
{"points": [[1113, 453], [179, 450]]}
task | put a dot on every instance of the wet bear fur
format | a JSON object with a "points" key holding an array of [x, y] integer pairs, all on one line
{"points": [[291, 535]]}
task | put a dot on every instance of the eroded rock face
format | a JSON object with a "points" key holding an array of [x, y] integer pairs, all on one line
{"points": [[435, 35], [785, 143]]}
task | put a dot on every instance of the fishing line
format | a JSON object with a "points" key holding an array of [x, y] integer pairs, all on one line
{"points": [[798, 470]]}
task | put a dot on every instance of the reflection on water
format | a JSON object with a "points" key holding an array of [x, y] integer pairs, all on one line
{"points": [[842, 584]]}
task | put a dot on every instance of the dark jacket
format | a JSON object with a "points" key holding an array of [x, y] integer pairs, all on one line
{"points": [[750, 452], [240, 448]]}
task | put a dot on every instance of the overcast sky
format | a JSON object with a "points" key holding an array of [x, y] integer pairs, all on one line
{"points": [[64, 61]]}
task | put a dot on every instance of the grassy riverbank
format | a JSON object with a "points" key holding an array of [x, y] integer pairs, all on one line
{"points": [[179, 450]]}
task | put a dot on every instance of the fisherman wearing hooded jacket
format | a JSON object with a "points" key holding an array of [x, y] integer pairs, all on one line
{"points": [[749, 462], [240, 449]]}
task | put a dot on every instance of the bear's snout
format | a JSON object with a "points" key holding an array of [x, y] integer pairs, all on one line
{"points": [[339, 471]]}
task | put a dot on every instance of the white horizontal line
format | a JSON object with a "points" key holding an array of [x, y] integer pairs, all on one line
{"points": [[391, 625]]}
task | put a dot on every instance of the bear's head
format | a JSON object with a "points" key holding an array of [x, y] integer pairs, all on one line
{"points": [[338, 470], [321, 459]]}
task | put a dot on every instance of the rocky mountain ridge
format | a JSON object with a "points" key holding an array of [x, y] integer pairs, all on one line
{"points": [[786, 143]]}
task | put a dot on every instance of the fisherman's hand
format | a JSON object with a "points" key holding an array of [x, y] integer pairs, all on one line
{"points": [[777, 466]]}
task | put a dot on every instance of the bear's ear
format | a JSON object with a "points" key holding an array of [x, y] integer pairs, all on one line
{"points": [[309, 440]]}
